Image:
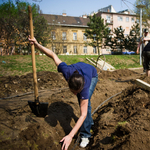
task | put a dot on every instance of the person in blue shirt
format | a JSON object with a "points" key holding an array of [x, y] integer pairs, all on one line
{"points": [[82, 79]]}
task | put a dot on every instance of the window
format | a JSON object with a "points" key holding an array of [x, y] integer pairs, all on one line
{"points": [[94, 37], [120, 18], [75, 49], [74, 36], [137, 20], [64, 36], [85, 49], [108, 19], [64, 49], [53, 35], [94, 50], [132, 19], [84, 37], [127, 19], [53, 48]]}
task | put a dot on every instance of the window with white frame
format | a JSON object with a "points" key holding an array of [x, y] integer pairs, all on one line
{"points": [[75, 49], [94, 50], [120, 18], [127, 19], [64, 36], [132, 19], [85, 49], [53, 35], [74, 36], [108, 18], [64, 49], [84, 37]]}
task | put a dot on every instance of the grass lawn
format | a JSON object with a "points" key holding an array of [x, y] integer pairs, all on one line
{"points": [[22, 64]]}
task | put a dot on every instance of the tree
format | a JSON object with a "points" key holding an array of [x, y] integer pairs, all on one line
{"points": [[7, 19], [96, 31], [117, 41], [132, 39], [15, 25], [145, 11]]}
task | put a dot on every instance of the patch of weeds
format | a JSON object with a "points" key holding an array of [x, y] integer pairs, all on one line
{"points": [[122, 123], [8, 138], [2, 133], [29, 144], [113, 137], [45, 135], [35, 146], [56, 143]]}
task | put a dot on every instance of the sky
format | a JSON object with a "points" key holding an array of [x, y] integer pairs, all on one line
{"points": [[79, 7]]}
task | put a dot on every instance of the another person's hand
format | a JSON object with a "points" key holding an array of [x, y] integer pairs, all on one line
{"points": [[66, 142], [32, 41]]}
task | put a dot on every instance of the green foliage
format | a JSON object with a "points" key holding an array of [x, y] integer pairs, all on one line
{"points": [[145, 11], [117, 41], [132, 39], [96, 31], [15, 24]]}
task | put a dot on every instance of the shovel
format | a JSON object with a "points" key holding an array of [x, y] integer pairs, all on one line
{"points": [[39, 109]]}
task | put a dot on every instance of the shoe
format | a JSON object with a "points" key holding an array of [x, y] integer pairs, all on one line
{"points": [[84, 142]]}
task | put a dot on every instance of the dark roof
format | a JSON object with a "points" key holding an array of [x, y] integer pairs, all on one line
{"points": [[66, 20]]}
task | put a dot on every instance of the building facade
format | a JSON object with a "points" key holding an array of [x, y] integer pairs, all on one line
{"points": [[67, 32], [67, 35]]}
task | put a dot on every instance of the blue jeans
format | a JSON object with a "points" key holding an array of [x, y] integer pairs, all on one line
{"points": [[88, 122]]}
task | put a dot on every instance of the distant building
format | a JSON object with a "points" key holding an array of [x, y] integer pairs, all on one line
{"points": [[67, 35], [109, 8]]}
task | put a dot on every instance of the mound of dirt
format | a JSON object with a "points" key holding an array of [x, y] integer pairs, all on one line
{"points": [[123, 122], [18, 84]]}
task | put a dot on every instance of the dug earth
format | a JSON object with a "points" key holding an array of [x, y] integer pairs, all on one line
{"points": [[121, 123]]}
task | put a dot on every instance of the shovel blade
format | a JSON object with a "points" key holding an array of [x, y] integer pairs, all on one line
{"points": [[39, 110]]}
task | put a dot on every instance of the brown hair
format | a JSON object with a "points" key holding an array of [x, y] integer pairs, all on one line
{"points": [[76, 81]]}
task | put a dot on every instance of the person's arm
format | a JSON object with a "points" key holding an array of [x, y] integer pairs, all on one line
{"points": [[83, 110], [46, 51], [146, 39], [137, 51]]}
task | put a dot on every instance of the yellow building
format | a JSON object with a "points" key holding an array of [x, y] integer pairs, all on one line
{"points": [[67, 35]]}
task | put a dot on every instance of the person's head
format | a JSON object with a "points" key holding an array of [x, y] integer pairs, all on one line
{"points": [[145, 32], [76, 82]]}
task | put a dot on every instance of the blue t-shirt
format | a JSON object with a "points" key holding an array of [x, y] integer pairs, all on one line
{"points": [[86, 70]]}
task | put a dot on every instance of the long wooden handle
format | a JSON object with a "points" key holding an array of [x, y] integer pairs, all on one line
{"points": [[33, 54]]}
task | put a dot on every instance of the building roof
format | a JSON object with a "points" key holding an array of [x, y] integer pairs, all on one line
{"points": [[109, 8], [66, 20], [127, 11], [124, 14]]}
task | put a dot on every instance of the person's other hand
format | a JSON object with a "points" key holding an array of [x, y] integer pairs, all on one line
{"points": [[66, 142]]}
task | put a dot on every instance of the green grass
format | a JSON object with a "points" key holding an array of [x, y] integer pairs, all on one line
{"points": [[22, 64]]}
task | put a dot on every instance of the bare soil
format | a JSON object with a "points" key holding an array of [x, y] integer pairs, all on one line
{"points": [[121, 123]]}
